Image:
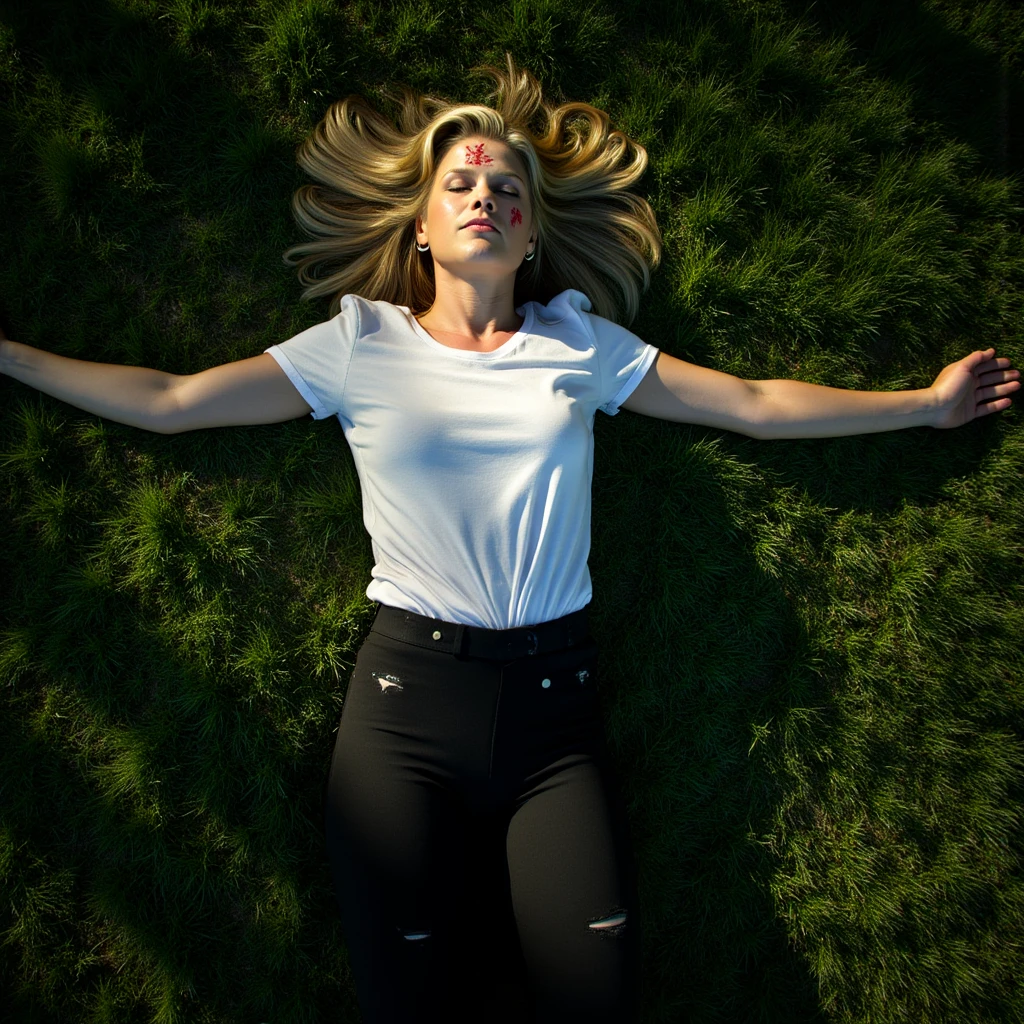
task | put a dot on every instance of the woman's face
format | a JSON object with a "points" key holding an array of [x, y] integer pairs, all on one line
{"points": [[479, 179]]}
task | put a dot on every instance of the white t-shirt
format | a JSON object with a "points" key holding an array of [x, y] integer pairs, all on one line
{"points": [[475, 467]]}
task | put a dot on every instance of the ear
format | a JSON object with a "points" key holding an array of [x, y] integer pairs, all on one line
{"points": [[421, 224]]}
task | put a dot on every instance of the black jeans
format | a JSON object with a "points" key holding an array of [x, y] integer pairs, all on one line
{"points": [[478, 839]]}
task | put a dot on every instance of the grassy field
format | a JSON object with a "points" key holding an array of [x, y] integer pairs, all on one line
{"points": [[812, 664]]}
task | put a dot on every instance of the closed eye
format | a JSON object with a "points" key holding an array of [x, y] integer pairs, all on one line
{"points": [[465, 188]]}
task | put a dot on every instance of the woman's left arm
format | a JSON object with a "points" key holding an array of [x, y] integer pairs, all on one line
{"points": [[674, 389]]}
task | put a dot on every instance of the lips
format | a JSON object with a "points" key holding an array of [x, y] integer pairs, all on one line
{"points": [[483, 223]]}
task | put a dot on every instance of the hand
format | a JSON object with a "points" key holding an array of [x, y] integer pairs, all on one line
{"points": [[963, 389]]}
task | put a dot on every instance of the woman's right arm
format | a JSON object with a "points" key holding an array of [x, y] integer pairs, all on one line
{"points": [[248, 391]]}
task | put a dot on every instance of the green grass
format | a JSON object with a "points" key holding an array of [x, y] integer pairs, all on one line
{"points": [[812, 668]]}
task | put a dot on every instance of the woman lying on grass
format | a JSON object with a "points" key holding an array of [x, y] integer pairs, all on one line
{"points": [[478, 261]]}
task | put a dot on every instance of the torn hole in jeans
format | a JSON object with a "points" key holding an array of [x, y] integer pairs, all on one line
{"points": [[611, 925]]}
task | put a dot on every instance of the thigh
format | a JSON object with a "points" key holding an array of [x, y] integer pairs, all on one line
{"points": [[396, 845], [573, 885]]}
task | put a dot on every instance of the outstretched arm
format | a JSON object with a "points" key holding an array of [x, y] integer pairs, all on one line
{"points": [[677, 390], [248, 391]]}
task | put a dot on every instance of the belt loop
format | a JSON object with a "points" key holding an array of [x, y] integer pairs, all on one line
{"points": [[460, 639]]}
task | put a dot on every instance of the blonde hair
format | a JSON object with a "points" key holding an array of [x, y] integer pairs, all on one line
{"points": [[375, 178]]}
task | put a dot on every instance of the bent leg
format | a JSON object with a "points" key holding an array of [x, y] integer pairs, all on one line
{"points": [[574, 892]]}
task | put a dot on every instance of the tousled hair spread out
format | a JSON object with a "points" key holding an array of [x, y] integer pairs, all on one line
{"points": [[374, 178]]}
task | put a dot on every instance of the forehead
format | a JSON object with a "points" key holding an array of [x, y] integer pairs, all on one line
{"points": [[494, 155]]}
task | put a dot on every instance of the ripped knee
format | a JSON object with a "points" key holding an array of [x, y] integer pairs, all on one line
{"points": [[611, 925]]}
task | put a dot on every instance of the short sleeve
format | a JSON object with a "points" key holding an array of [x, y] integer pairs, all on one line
{"points": [[623, 361], [316, 360]]}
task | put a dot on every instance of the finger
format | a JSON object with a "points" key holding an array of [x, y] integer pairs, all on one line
{"points": [[985, 409], [997, 376], [996, 392], [992, 364], [977, 359]]}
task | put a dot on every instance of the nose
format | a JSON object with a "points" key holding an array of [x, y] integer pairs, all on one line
{"points": [[484, 198]]}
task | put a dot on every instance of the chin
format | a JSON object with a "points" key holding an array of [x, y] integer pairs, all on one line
{"points": [[499, 261]]}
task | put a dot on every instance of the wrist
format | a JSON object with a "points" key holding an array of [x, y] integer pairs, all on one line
{"points": [[12, 357], [932, 405], [5, 355]]}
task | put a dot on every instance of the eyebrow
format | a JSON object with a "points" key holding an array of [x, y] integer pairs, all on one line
{"points": [[469, 170]]}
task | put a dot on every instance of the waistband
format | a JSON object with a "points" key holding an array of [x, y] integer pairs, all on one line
{"points": [[476, 641]]}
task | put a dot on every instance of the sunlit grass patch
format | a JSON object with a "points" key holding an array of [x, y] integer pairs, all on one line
{"points": [[302, 55], [556, 40], [195, 21]]}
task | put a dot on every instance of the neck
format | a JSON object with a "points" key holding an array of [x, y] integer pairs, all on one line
{"points": [[476, 309]]}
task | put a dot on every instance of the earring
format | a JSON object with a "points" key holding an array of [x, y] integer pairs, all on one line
{"points": [[530, 255], [422, 248]]}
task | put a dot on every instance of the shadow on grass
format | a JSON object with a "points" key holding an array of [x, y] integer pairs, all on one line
{"points": [[166, 782], [777, 772], [700, 649], [975, 93]]}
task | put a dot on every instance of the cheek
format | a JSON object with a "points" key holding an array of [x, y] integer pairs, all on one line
{"points": [[441, 208]]}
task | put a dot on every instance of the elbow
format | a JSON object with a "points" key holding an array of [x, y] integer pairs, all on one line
{"points": [[756, 422], [165, 428], [170, 424], [153, 424], [162, 420], [166, 414]]}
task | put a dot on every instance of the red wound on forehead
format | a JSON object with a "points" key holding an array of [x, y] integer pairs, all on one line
{"points": [[476, 155], [517, 217]]}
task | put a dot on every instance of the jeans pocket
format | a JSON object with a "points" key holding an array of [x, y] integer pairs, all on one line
{"points": [[563, 680]]}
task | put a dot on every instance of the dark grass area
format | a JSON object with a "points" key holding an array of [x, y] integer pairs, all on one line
{"points": [[811, 649]]}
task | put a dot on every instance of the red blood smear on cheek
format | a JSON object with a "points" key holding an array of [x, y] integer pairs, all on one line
{"points": [[517, 217]]}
